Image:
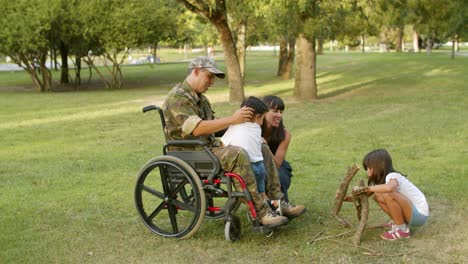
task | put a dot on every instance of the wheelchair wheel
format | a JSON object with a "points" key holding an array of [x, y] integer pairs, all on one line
{"points": [[169, 197], [232, 229]]}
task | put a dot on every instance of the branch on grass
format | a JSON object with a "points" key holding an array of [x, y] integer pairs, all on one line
{"points": [[316, 235], [378, 254], [354, 246], [341, 194], [363, 213], [329, 237]]}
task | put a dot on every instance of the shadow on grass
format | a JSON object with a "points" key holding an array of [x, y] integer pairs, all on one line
{"points": [[348, 89]]}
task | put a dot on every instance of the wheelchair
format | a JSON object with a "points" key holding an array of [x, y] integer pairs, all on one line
{"points": [[175, 192]]}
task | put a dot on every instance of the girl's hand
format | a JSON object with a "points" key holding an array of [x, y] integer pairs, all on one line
{"points": [[359, 189]]}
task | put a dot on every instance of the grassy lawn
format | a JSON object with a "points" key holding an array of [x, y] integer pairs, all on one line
{"points": [[68, 164]]}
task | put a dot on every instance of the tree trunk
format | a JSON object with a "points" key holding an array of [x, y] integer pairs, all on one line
{"points": [[453, 48], [415, 41], [236, 84], [217, 14], [429, 45], [240, 45], [283, 55], [78, 70], [55, 58], [36, 68], [64, 65], [320, 46], [155, 54], [305, 85], [457, 43], [399, 41], [290, 62], [363, 43]]}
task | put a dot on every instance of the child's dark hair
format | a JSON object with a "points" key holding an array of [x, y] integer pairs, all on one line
{"points": [[256, 104], [380, 162], [274, 102]]}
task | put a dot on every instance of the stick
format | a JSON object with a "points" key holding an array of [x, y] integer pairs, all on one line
{"points": [[330, 237], [362, 215], [316, 235], [374, 226], [371, 251], [342, 193], [376, 254]]}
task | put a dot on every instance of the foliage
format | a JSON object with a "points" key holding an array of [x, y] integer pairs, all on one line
{"points": [[24, 36], [442, 19], [118, 26]]}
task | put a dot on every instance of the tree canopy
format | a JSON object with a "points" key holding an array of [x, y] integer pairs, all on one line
{"points": [[106, 31]]}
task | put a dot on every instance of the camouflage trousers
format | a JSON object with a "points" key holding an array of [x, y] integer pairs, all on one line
{"points": [[236, 160]]}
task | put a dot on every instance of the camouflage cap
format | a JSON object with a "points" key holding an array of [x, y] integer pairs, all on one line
{"points": [[208, 64]]}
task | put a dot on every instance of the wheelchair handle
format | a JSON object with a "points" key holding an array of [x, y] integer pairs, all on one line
{"points": [[149, 108], [161, 115]]}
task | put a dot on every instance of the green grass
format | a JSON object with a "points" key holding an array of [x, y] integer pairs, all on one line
{"points": [[68, 164]]}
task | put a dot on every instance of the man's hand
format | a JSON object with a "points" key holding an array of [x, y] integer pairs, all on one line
{"points": [[243, 114]]}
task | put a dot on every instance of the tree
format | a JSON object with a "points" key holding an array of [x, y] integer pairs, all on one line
{"points": [[118, 26], [24, 36], [246, 19], [439, 20], [394, 15], [283, 23], [160, 18], [215, 11], [305, 83]]}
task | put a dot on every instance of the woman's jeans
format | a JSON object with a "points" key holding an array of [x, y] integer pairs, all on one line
{"points": [[285, 174]]}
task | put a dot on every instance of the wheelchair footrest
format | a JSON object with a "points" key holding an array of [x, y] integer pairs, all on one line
{"points": [[262, 229]]}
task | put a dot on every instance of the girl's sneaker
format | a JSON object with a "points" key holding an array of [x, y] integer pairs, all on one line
{"points": [[388, 225], [395, 234]]}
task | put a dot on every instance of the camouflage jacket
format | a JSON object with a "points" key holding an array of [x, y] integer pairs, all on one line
{"points": [[183, 109]]}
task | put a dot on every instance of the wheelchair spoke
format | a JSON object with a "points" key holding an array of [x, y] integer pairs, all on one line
{"points": [[172, 217], [153, 191], [184, 206], [178, 188], [156, 211]]}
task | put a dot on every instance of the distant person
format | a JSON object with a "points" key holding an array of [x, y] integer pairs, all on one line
{"points": [[248, 135], [211, 52], [404, 203]]}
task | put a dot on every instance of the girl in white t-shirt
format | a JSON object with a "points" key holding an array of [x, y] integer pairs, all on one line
{"points": [[396, 195]]}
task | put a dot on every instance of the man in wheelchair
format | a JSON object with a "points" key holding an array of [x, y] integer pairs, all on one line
{"points": [[188, 115]]}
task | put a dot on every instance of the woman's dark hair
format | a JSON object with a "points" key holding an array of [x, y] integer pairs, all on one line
{"points": [[278, 134], [256, 104], [380, 162]]}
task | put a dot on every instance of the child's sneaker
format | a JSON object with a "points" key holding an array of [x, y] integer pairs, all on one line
{"points": [[395, 234], [388, 225]]}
